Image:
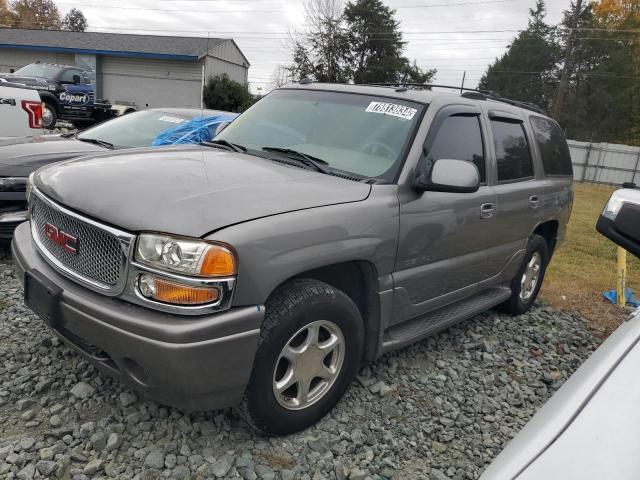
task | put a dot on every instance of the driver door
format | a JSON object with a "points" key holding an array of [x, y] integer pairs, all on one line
{"points": [[446, 239]]}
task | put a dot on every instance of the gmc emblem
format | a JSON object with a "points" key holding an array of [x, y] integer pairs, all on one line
{"points": [[67, 242]]}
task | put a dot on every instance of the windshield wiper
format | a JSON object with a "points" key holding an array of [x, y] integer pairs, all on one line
{"points": [[234, 147], [102, 143], [308, 160]]}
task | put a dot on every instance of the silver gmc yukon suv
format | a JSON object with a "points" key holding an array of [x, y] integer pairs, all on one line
{"points": [[326, 226]]}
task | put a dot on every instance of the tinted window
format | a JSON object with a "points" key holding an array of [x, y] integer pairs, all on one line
{"points": [[554, 150], [512, 150], [459, 138], [67, 76]]}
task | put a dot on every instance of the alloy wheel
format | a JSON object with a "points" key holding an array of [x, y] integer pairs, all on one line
{"points": [[308, 365]]}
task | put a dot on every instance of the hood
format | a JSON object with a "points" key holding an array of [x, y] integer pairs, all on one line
{"points": [[19, 157], [189, 190]]}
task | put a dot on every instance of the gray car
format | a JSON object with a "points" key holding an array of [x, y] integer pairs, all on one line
{"points": [[327, 225]]}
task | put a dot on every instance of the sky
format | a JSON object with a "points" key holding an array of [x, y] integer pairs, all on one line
{"points": [[452, 36]]}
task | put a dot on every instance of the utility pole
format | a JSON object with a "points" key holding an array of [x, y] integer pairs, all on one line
{"points": [[464, 76], [568, 63]]}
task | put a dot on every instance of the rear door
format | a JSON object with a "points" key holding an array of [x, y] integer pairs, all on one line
{"points": [[519, 183]]}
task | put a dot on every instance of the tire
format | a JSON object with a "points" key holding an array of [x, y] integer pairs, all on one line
{"points": [[294, 310], [517, 303], [49, 116]]}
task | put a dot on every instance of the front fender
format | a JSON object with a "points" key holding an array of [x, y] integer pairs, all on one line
{"points": [[276, 248]]}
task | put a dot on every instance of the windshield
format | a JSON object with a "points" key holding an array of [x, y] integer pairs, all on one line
{"points": [[355, 133], [43, 70], [137, 129]]}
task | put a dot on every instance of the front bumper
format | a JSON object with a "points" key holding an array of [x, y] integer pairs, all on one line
{"points": [[193, 363]]}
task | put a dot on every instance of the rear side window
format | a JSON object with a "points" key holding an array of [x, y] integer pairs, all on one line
{"points": [[459, 138], [554, 150], [512, 150]]}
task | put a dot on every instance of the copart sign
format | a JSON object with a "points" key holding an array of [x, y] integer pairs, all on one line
{"points": [[79, 98]]}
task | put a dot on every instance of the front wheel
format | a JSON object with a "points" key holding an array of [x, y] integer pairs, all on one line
{"points": [[525, 286], [309, 350]]}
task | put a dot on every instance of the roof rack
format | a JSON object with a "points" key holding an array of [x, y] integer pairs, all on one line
{"points": [[473, 93]]}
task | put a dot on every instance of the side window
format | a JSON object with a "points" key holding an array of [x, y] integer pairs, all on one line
{"points": [[459, 138], [512, 150], [556, 158], [67, 76]]}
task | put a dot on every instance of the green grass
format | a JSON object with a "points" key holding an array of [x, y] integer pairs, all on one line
{"points": [[585, 265]]}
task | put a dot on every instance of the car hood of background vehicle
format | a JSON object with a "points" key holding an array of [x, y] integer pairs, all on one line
{"points": [[189, 190], [19, 157]]}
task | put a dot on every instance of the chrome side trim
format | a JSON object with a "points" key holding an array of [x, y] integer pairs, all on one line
{"points": [[125, 239]]}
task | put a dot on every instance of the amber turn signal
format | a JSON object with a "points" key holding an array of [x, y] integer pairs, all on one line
{"points": [[176, 293], [218, 261]]}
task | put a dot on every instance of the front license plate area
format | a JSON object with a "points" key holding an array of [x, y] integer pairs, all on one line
{"points": [[42, 296]]}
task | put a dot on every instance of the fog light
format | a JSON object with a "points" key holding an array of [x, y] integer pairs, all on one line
{"points": [[147, 285], [176, 293]]}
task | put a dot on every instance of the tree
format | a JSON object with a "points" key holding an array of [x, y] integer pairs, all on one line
{"points": [[222, 93], [603, 100], [38, 14], [528, 69], [361, 43], [375, 41], [323, 52], [280, 76], [7, 17], [74, 21]]}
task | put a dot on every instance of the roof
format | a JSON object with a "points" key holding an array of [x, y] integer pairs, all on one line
{"points": [[419, 95], [115, 44]]}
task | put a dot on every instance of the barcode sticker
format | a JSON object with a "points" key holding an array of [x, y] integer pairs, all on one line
{"points": [[400, 111]]}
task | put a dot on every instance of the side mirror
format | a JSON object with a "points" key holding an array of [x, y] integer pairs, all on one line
{"points": [[76, 79], [448, 175], [620, 220]]}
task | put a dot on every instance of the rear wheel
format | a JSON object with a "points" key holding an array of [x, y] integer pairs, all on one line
{"points": [[49, 116], [308, 352], [525, 286]]}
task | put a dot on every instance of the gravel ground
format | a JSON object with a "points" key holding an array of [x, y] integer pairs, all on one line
{"points": [[443, 408]]}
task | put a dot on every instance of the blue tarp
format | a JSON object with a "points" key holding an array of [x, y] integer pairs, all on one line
{"points": [[199, 129], [629, 296]]}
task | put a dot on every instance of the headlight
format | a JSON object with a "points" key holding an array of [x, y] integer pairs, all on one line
{"points": [[29, 186], [13, 184], [618, 199], [191, 257]]}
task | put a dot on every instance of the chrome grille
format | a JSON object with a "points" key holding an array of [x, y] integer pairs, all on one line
{"points": [[99, 254]]}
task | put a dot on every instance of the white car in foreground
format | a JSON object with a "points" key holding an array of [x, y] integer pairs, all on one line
{"points": [[590, 429], [20, 112]]}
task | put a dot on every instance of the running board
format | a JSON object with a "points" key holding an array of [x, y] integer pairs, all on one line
{"points": [[408, 332]]}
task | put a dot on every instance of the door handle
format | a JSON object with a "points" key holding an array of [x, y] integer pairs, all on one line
{"points": [[486, 210], [534, 201]]}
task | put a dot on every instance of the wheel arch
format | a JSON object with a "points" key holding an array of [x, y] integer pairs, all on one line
{"points": [[358, 279], [549, 231], [50, 99]]}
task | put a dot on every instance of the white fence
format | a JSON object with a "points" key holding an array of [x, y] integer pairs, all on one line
{"points": [[607, 163]]}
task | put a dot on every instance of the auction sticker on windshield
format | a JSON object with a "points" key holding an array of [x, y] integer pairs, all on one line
{"points": [[166, 118], [393, 109]]}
